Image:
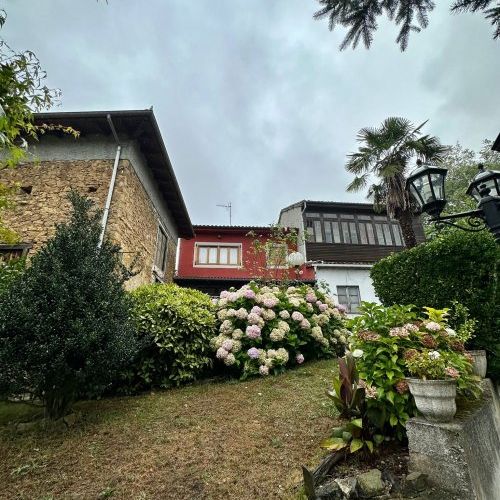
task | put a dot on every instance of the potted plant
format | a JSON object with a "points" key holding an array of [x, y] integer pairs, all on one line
{"points": [[434, 388]]}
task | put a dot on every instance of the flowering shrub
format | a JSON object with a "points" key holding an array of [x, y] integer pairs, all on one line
{"points": [[264, 329], [392, 343]]}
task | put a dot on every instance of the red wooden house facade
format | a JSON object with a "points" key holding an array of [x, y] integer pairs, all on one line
{"points": [[220, 257]]}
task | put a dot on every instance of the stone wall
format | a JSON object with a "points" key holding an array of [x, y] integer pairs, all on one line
{"points": [[133, 223], [41, 202]]}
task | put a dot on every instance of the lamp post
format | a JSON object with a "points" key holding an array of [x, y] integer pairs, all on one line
{"points": [[296, 260], [427, 186]]}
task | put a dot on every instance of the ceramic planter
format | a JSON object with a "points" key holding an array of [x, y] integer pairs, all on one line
{"points": [[435, 399], [479, 363]]}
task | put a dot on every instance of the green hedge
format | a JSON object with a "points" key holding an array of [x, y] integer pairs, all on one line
{"points": [[174, 326], [456, 266]]}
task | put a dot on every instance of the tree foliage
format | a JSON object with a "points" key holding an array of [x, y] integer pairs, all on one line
{"points": [[64, 323], [387, 153], [360, 17], [22, 92]]}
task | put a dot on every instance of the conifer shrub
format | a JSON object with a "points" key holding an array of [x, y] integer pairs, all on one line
{"points": [[64, 323]]}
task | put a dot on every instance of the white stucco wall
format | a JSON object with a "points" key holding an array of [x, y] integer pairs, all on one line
{"points": [[348, 276]]}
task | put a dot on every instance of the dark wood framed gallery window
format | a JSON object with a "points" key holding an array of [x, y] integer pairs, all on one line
{"points": [[213, 254], [353, 229]]}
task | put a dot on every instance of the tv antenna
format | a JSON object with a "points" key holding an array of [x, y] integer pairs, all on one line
{"points": [[228, 207]]}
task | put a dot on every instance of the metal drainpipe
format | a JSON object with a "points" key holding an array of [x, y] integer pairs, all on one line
{"points": [[112, 182]]}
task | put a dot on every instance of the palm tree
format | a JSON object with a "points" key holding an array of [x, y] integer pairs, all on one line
{"points": [[387, 153]]}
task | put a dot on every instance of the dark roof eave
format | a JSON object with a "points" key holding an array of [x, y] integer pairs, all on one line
{"points": [[164, 172]]}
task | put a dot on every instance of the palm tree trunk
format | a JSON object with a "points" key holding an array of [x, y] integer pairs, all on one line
{"points": [[405, 219]]}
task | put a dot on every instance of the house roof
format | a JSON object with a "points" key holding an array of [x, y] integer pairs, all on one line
{"points": [[140, 125], [347, 205]]}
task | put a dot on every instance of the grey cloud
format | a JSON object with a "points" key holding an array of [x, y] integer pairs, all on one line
{"points": [[255, 102]]}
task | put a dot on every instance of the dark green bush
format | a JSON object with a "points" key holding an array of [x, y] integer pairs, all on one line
{"points": [[64, 324], [456, 266], [175, 326], [9, 272]]}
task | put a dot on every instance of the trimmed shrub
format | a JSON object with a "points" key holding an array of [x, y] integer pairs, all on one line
{"points": [[456, 266], [174, 326], [266, 329], [64, 323]]}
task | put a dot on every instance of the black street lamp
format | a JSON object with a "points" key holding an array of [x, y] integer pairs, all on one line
{"points": [[426, 184]]}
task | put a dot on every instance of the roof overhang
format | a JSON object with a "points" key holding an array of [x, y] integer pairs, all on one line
{"points": [[139, 125]]}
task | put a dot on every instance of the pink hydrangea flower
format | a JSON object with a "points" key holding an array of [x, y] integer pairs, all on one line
{"points": [[253, 331], [304, 324], [452, 372], [432, 326], [342, 308], [299, 358], [311, 297], [221, 353], [264, 370], [249, 294], [253, 318], [297, 316], [253, 353], [256, 310], [227, 344], [224, 294], [270, 302], [323, 307]]}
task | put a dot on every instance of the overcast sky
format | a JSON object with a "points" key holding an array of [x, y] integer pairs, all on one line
{"points": [[256, 104]]}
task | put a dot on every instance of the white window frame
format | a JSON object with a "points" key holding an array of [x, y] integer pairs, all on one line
{"points": [[347, 294], [239, 246]]}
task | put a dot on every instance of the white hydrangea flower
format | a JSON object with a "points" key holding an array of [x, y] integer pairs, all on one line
{"points": [[434, 355], [277, 335], [284, 315], [229, 359], [237, 334], [357, 353]]}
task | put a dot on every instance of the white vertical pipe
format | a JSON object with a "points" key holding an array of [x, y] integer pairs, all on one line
{"points": [[110, 195]]}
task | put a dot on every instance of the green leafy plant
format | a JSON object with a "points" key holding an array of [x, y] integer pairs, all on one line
{"points": [[353, 436], [428, 365], [64, 323], [393, 343], [382, 366], [174, 326], [455, 267], [347, 394]]}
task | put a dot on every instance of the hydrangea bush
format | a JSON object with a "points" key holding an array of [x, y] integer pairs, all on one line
{"points": [[265, 329], [393, 343]]}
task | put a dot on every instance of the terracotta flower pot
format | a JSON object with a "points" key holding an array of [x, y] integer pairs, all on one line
{"points": [[435, 399], [479, 363]]}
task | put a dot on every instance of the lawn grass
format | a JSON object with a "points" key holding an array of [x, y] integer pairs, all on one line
{"points": [[242, 440]]}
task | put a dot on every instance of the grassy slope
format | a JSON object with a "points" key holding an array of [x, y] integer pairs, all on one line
{"points": [[241, 440]]}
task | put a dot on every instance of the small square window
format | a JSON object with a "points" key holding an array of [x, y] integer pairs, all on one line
{"points": [[349, 297]]}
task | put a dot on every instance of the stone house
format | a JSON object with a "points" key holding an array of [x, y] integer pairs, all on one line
{"points": [[119, 158]]}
